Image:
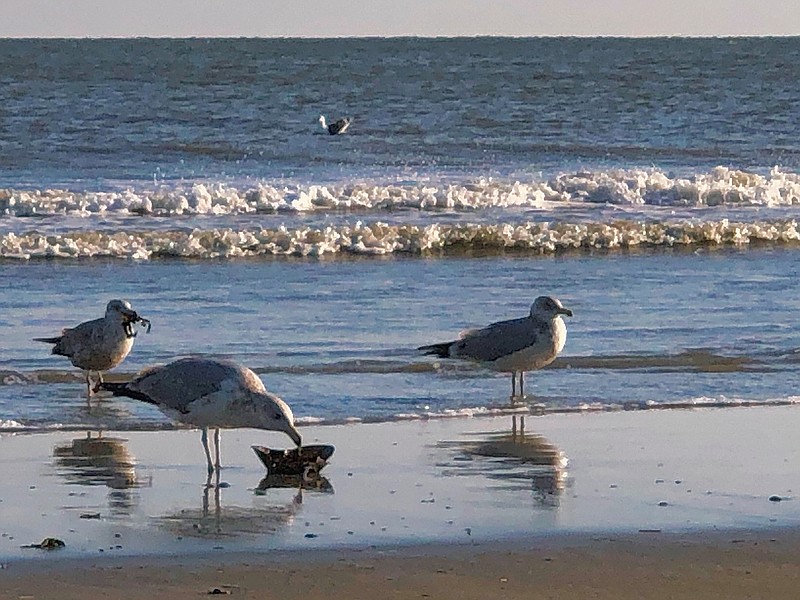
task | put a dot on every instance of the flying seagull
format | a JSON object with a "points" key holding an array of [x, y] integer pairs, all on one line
{"points": [[207, 392], [336, 127], [513, 346], [101, 344]]}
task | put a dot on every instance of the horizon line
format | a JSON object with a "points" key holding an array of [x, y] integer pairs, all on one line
{"points": [[397, 36]]}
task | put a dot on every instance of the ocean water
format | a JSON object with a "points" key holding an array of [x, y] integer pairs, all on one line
{"points": [[651, 184]]}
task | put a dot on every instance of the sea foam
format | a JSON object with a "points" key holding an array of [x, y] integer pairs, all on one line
{"points": [[380, 239], [653, 187]]}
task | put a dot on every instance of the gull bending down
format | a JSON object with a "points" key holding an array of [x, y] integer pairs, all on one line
{"points": [[207, 392], [513, 346], [101, 344]]}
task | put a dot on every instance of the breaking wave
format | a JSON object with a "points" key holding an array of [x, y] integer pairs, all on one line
{"points": [[632, 187], [379, 238]]}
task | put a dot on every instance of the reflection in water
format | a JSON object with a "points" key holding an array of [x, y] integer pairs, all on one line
{"points": [[96, 461], [517, 458], [312, 481], [213, 520]]}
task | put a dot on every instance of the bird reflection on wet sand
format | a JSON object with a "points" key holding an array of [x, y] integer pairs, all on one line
{"points": [[517, 458], [96, 461], [214, 520]]}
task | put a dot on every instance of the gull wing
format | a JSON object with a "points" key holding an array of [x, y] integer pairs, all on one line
{"points": [[497, 340], [177, 385], [79, 339]]}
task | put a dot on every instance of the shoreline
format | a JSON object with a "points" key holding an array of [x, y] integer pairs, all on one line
{"points": [[576, 498], [404, 483], [12, 427]]}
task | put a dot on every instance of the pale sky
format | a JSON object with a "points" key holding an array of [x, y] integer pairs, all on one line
{"points": [[333, 18]]}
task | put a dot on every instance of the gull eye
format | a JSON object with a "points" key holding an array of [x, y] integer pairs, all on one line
{"points": [[278, 416]]}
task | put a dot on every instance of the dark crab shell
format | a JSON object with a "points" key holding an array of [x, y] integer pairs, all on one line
{"points": [[129, 330], [294, 461]]}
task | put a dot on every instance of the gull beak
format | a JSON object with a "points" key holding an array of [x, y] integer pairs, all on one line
{"points": [[565, 311], [131, 316], [295, 435]]}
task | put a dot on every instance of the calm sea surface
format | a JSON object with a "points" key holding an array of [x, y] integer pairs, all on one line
{"points": [[652, 185]]}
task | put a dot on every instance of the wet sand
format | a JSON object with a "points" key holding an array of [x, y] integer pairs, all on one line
{"points": [[721, 566], [627, 504]]}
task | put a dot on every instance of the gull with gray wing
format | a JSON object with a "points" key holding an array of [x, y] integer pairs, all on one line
{"points": [[101, 344], [208, 392], [513, 346]]}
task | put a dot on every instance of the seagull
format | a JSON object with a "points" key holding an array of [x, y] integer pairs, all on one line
{"points": [[513, 346], [101, 344], [207, 392], [337, 127]]}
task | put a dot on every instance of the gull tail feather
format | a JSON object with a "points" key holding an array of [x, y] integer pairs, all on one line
{"points": [[440, 350], [58, 349], [122, 389]]}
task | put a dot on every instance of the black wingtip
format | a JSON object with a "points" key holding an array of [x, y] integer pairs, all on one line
{"points": [[118, 389], [122, 389], [440, 350]]}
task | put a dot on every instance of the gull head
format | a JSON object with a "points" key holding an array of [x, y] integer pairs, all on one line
{"points": [[274, 414], [121, 310], [547, 307]]}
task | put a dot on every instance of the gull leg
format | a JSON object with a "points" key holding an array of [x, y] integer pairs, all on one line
{"points": [[217, 464], [88, 387], [204, 439], [522, 385], [513, 385]]}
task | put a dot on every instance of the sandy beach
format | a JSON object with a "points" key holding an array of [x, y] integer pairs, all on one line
{"points": [[729, 565], [680, 503]]}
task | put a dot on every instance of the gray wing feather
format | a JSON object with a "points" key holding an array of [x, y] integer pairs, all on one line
{"points": [[496, 340], [77, 339], [182, 382]]}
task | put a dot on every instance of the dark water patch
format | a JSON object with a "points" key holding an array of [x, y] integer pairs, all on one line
{"points": [[690, 361]]}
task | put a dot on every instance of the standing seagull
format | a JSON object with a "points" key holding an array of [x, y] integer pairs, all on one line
{"points": [[513, 346], [101, 344], [336, 127], [206, 392]]}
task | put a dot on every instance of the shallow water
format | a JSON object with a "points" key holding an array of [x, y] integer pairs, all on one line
{"points": [[649, 184], [337, 339]]}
